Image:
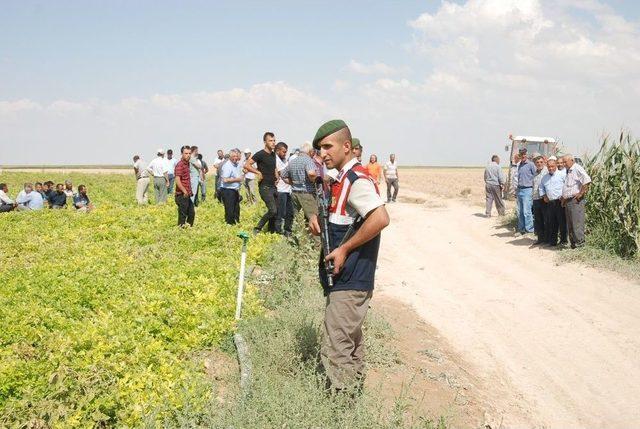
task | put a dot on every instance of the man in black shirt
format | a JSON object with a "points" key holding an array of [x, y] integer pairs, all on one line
{"points": [[58, 199], [265, 160]]}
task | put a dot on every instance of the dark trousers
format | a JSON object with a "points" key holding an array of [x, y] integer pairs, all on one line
{"points": [[6, 207], [231, 201], [186, 210], [539, 208], [268, 195], [555, 222], [285, 213]]}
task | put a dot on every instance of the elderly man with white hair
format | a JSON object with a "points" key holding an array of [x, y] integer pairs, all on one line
{"points": [[28, 199], [231, 179], [301, 173], [576, 185]]}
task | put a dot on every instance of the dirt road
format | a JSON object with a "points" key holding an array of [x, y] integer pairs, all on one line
{"points": [[552, 346]]}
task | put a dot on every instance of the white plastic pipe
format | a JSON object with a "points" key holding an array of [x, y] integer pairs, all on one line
{"points": [[243, 260]]}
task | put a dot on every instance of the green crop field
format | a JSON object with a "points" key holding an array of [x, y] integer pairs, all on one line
{"points": [[104, 316]]}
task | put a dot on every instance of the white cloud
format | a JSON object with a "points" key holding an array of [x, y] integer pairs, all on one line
{"points": [[479, 70], [376, 68]]}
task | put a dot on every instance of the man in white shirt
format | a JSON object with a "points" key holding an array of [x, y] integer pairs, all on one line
{"points": [[6, 203], [142, 180], [249, 179], [576, 185], [171, 166], [28, 199], [217, 164], [391, 177], [284, 201], [160, 172]]}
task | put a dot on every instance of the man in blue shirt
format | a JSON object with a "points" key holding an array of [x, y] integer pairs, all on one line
{"points": [[551, 191], [526, 172], [57, 198], [230, 180]]}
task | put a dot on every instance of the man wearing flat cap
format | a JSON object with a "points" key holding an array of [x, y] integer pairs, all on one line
{"points": [[526, 173], [356, 217]]}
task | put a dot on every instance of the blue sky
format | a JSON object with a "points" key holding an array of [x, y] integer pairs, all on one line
{"points": [[436, 82]]}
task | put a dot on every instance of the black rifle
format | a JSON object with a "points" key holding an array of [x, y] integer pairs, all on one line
{"points": [[323, 221]]}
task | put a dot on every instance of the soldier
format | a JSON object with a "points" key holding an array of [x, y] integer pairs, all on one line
{"points": [[357, 148], [356, 207]]}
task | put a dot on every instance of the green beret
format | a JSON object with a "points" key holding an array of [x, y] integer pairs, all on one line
{"points": [[355, 143], [327, 129]]}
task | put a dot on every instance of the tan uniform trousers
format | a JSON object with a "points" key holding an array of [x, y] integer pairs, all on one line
{"points": [[342, 351]]}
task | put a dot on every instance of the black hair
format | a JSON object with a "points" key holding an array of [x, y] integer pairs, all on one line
{"points": [[184, 147], [135, 158], [3, 185], [170, 151], [200, 156], [38, 183], [267, 134], [282, 145], [494, 158], [48, 183], [194, 148], [81, 187]]}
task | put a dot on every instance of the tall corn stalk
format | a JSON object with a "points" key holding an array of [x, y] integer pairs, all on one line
{"points": [[613, 208]]}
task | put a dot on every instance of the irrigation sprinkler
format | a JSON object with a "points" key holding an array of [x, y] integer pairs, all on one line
{"points": [[241, 345], [243, 260]]}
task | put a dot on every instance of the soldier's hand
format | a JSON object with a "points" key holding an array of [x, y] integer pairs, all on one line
{"points": [[338, 256], [314, 226]]}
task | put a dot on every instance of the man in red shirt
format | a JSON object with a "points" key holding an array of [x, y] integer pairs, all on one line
{"points": [[186, 210]]}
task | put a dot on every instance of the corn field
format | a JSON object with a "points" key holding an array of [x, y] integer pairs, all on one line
{"points": [[613, 209]]}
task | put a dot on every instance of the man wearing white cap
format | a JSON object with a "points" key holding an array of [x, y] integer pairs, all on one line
{"points": [[160, 172], [249, 179]]}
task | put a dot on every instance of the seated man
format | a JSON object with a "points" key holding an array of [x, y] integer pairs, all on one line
{"points": [[28, 199], [40, 189], [48, 189], [57, 198], [6, 203], [81, 200]]}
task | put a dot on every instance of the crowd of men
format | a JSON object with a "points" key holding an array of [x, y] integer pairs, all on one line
{"points": [[283, 179], [45, 195], [550, 194]]}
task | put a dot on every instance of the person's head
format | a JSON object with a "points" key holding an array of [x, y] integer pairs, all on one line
{"points": [[334, 140], [392, 157], [221, 153], [170, 154], [200, 156], [82, 189], [59, 188], [568, 160], [269, 140], [38, 187], [539, 161], [373, 159], [4, 188], [560, 163], [356, 148], [136, 158], [68, 185], [234, 155], [523, 154], [307, 148], [247, 154], [194, 151], [160, 153], [281, 149], [552, 166], [28, 187], [48, 185], [185, 153], [226, 156], [496, 159]]}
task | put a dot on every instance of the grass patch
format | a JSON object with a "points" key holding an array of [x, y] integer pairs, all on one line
{"points": [[288, 386], [602, 259]]}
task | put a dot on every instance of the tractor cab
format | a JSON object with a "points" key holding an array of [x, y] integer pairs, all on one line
{"points": [[546, 146]]}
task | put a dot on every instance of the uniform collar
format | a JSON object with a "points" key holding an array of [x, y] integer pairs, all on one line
{"points": [[348, 166]]}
